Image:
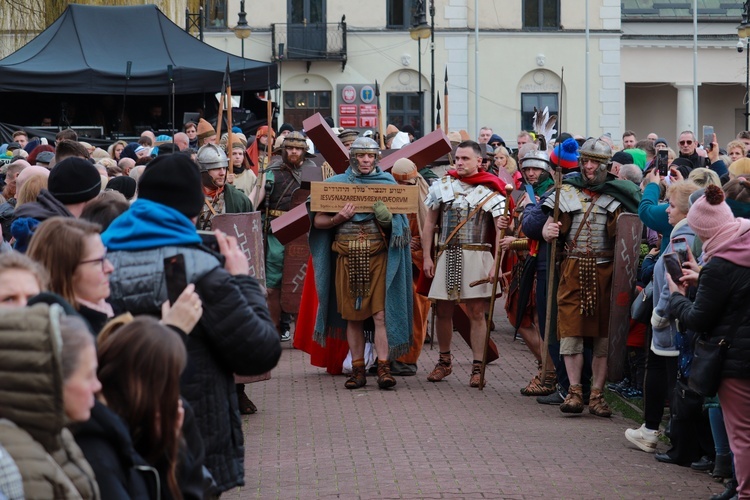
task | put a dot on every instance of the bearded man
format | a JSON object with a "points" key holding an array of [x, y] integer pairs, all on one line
{"points": [[589, 206], [280, 193]]}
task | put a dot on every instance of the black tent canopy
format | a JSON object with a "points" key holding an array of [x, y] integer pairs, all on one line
{"points": [[87, 49]]}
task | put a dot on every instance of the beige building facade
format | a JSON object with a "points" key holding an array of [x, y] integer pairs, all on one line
{"points": [[605, 66]]}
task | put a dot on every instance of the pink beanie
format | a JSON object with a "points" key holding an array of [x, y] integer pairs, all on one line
{"points": [[709, 213]]}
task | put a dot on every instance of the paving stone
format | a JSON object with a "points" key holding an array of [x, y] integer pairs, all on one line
{"points": [[312, 438]]}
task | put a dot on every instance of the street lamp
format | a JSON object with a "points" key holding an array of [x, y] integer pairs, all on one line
{"points": [[743, 31], [242, 30], [432, 63], [419, 31]]}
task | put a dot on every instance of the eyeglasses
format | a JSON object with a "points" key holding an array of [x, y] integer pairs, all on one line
{"points": [[99, 260], [685, 143]]}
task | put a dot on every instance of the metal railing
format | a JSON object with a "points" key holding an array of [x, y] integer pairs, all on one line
{"points": [[309, 42], [195, 22]]}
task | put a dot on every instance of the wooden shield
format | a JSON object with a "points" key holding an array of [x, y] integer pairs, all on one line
{"points": [[296, 254], [248, 230], [627, 254]]}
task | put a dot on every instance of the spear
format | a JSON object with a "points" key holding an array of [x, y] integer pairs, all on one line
{"points": [[498, 260], [381, 129], [445, 97], [552, 247], [228, 85], [437, 105], [224, 85]]}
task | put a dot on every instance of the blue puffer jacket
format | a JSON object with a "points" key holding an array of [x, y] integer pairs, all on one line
{"points": [[234, 335], [663, 341]]}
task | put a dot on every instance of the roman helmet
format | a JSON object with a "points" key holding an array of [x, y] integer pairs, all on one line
{"points": [[537, 159], [363, 145], [600, 152], [293, 140], [211, 156]]}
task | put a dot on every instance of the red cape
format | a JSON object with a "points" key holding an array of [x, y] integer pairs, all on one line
{"points": [[481, 177]]}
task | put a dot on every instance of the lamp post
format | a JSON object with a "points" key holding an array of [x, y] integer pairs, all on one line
{"points": [[419, 31], [743, 31], [242, 30], [432, 63]]}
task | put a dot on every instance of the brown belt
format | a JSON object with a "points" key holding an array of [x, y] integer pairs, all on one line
{"points": [[481, 247], [602, 254], [357, 236], [276, 213]]}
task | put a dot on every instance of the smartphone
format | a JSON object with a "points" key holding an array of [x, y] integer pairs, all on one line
{"points": [[673, 266], [708, 137], [680, 247], [208, 239], [175, 276], [530, 193], [662, 162]]}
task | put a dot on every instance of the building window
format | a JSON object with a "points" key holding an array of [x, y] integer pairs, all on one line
{"points": [[540, 15], [299, 105], [216, 14], [538, 101], [403, 109], [400, 14]]}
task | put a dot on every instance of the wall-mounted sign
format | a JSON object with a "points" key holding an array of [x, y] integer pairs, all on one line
{"points": [[349, 94], [348, 121], [357, 107], [367, 94], [368, 121]]}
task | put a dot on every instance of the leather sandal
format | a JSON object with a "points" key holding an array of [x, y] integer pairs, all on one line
{"points": [[442, 369], [597, 405], [357, 379], [385, 379], [573, 401], [246, 406], [539, 387], [476, 374]]}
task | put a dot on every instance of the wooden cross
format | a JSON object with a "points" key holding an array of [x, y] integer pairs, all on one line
{"points": [[296, 222]]}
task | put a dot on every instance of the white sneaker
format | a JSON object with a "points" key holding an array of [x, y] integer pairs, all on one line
{"points": [[643, 438]]}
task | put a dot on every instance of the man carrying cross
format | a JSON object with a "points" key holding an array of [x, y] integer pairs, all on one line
{"points": [[279, 193], [368, 275]]}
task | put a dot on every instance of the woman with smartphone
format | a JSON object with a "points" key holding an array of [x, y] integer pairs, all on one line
{"points": [[720, 309], [662, 357]]}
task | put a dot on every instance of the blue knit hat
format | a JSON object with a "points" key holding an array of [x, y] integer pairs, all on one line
{"points": [[565, 155]]}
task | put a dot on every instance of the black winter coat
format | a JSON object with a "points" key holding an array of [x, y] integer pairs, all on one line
{"points": [[120, 471], [235, 335], [720, 303]]}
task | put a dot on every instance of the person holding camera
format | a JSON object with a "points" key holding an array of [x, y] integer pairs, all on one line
{"points": [[689, 149], [235, 333]]}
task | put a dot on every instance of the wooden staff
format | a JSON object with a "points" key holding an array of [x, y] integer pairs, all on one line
{"points": [[445, 97], [498, 260], [553, 247], [221, 113], [269, 135], [381, 129], [260, 181], [229, 126]]}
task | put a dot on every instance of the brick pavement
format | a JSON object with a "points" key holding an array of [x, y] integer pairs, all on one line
{"points": [[314, 439]]}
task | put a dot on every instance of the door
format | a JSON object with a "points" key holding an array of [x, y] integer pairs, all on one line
{"points": [[299, 105], [306, 29], [404, 109]]}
